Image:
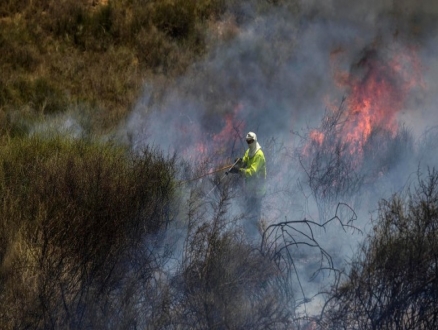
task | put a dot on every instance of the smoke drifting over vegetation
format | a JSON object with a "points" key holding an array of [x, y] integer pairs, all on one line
{"points": [[290, 68], [282, 70], [126, 224], [342, 96]]}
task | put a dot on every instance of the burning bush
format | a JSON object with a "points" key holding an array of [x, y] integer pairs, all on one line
{"points": [[361, 141], [329, 163], [340, 168]]}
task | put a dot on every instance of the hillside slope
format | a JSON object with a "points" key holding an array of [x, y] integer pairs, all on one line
{"points": [[93, 57]]}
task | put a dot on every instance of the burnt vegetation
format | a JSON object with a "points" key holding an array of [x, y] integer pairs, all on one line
{"points": [[392, 283], [227, 279], [329, 165]]}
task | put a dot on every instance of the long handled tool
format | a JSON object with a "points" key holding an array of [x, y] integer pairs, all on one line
{"points": [[226, 173], [212, 172]]}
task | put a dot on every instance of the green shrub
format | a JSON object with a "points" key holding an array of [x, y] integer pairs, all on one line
{"points": [[73, 216]]}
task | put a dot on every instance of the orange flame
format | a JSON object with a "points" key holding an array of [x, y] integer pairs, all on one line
{"points": [[317, 136], [378, 88], [231, 131], [228, 131]]}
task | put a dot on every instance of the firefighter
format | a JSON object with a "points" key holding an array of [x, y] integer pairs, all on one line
{"points": [[252, 166]]}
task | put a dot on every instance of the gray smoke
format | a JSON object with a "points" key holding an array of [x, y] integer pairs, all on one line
{"points": [[276, 77]]}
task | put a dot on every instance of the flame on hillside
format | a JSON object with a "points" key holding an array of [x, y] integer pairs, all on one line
{"points": [[377, 87]]}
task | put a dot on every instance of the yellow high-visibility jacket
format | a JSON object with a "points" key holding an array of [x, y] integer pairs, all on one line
{"points": [[254, 171]]}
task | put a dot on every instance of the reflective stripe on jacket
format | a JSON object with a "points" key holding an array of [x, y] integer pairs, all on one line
{"points": [[255, 172]]}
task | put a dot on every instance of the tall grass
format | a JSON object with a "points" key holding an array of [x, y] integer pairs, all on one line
{"points": [[71, 213]]}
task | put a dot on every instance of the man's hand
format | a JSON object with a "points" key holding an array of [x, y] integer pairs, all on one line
{"points": [[238, 163], [234, 170]]}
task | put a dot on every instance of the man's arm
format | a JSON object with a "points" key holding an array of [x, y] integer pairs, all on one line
{"points": [[249, 171]]}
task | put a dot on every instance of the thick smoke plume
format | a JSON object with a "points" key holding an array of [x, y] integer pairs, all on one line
{"points": [[285, 74], [278, 73]]}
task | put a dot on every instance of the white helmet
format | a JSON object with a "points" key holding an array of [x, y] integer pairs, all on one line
{"points": [[251, 136]]}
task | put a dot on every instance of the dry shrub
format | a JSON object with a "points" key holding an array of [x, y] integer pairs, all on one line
{"points": [[224, 281], [392, 281], [78, 223], [341, 169]]}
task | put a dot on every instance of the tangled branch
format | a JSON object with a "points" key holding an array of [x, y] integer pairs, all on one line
{"points": [[282, 241]]}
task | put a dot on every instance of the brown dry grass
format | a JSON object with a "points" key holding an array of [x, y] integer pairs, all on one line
{"points": [[98, 53]]}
